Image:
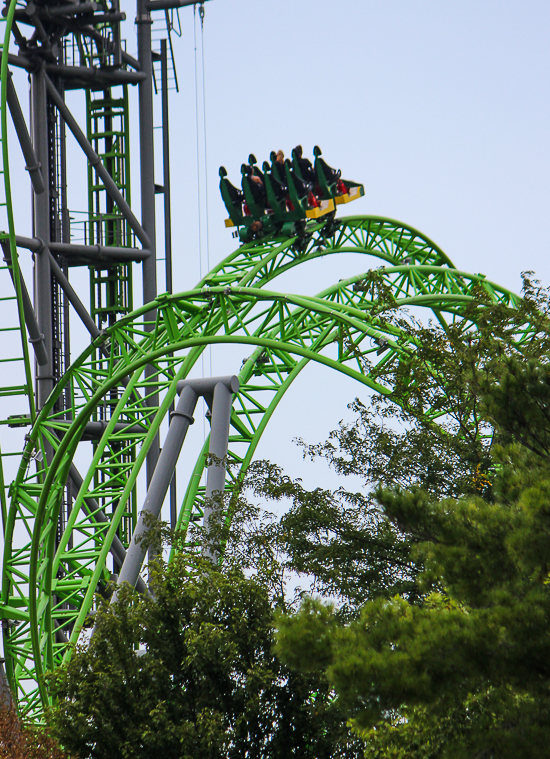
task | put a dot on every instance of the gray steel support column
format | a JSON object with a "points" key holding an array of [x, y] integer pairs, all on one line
{"points": [[41, 229], [217, 450], [218, 393], [33, 165], [167, 219], [146, 148], [147, 180], [160, 481], [166, 166]]}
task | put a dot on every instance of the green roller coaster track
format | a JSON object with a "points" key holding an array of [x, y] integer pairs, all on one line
{"points": [[50, 573]]}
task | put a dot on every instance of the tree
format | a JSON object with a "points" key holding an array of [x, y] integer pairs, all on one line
{"points": [[18, 742], [428, 433], [465, 672], [191, 673]]}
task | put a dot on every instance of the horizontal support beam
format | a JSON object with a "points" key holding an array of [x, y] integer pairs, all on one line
{"points": [[204, 386], [95, 76], [162, 5], [70, 9], [94, 430], [95, 161], [21, 62], [85, 255]]}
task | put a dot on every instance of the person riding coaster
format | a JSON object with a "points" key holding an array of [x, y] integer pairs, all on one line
{"points": [[284, 197]]}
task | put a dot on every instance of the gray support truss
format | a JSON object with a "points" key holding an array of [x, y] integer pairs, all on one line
{"points": [[95, 160], [218, 392]]}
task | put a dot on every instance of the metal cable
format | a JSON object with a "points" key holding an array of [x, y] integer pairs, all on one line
{"points": [[198, 181]]}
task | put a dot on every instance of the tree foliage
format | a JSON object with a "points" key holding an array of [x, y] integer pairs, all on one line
{"points": [[461, 670], [19, 742], [475, 652], [191, 673]]}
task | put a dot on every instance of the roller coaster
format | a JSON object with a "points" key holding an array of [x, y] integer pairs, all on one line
{"points": [[85, 419]]}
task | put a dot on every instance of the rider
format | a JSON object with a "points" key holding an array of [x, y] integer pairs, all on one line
{"points": [[304, 164]]}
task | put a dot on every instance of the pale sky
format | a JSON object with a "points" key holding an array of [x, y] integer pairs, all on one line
{"points": [[441, 108]]}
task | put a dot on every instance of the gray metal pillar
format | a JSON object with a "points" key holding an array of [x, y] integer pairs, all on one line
{"points": [[146, 147], [219, 442], [218, 393], [41, 229], [160, 481], [166, 166], [147, 178]]}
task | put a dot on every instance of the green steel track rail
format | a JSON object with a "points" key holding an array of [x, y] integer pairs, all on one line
{"points": [[15, 364], [48, 585]]}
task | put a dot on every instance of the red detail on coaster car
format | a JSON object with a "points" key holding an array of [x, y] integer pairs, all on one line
{"points": [[312, 201], [341, 188]]}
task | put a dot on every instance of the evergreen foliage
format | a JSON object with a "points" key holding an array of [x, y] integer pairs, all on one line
{"points": [[462, 669]]}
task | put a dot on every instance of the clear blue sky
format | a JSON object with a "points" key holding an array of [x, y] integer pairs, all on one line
{"points": [[441, 108]]}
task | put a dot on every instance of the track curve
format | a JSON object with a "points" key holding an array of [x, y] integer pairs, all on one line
{"points": [[50, 577]]}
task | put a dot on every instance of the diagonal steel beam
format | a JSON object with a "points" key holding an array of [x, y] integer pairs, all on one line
{"points": [[33, 164], [182, 418]]}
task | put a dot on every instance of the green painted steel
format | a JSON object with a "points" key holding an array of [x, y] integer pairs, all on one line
{"points": [[49, 585]]}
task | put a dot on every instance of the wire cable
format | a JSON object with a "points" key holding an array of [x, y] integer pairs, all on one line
{"points": [[197, 130], [205, 144]]}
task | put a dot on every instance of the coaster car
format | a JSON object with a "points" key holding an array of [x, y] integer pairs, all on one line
{"points": [[284, 196], [330, 183]]}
